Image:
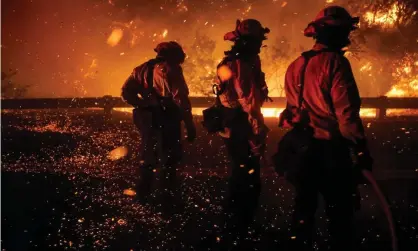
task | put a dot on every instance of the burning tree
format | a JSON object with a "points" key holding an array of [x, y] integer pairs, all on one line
{"points": [[9, 88], [276, 59], [386, 46], [199, 67]]}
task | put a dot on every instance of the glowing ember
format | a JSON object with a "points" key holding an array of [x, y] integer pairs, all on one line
{"points": [[121, 222], [165, 32], [181, 6], [118, 153], [366, 67], [115, 37], [129, 192], [91, 72]]}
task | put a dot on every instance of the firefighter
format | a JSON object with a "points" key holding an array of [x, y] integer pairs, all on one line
{"points": [[159, 94], [331, 101], [243, 90]]}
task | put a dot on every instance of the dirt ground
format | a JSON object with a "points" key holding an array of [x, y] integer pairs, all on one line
{"points": [[60, 190]]}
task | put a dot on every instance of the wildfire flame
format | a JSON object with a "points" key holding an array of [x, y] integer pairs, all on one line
{"points": [[406, 75], [384, 19]]}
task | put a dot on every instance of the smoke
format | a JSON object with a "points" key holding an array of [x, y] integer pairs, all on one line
{"points": [[89, 47]]}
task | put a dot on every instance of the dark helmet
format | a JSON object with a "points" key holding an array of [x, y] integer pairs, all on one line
{"points": [[331, 17], [171, 51], [248, 27]]}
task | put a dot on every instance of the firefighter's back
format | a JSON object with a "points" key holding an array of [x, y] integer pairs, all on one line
{"points": [[317, 91]]}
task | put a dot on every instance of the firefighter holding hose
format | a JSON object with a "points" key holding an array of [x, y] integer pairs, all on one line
{"points": [[323, 103]]}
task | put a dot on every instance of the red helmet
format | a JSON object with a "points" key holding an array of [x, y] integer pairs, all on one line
{"points": [[170, 51], [331, 16], [248, 27]]}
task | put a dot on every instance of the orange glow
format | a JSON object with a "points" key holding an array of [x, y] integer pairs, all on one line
{"points": [[366, 67], [224, 73], [395, 92], [118, 153], [165, 32], [115, 37], [368, 113], [129, 192], [107, 40], [384, 19], [122, 222], [401, 112], [267, 112], [406, 75]]}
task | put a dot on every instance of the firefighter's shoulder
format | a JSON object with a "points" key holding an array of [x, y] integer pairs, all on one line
{"points": [[295, 64]]}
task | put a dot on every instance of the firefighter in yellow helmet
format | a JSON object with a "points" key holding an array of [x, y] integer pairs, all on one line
{"points": [[243, 90], [159, 94], [323, 105]]}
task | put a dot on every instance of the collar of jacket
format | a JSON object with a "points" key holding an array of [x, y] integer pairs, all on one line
{"points": [[323, 47]]}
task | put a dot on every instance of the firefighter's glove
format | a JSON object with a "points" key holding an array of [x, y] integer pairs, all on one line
{"points": [[361, 159], [226, 133], [258, 142], [191, 133], [190, 126], [364, 161], [265, 95]]}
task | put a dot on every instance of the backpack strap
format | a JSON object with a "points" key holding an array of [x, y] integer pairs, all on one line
{"points": [[307, 55]]}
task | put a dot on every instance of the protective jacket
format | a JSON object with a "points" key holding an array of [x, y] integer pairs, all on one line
{"points": [[168, 82], [246, 89], [330, 96]]}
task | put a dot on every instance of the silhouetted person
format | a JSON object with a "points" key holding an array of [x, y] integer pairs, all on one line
{"points": [[329, 109], [243, 91], [159, 94]]}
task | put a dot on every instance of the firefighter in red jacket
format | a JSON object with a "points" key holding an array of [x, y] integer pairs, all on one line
{"points": [[332, 102], [159, 94], [243, 91]]}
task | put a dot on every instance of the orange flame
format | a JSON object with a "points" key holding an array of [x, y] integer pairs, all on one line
{"points": [[384, 19]]}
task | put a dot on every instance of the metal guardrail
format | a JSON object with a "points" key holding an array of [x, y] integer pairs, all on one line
{"points": [[109, 102]]}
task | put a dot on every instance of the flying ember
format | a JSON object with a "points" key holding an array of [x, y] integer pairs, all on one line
{"points": [[115, 37]]}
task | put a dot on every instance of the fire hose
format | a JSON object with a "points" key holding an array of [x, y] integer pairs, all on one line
{"points": [[383, 203], [385, 206]]}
